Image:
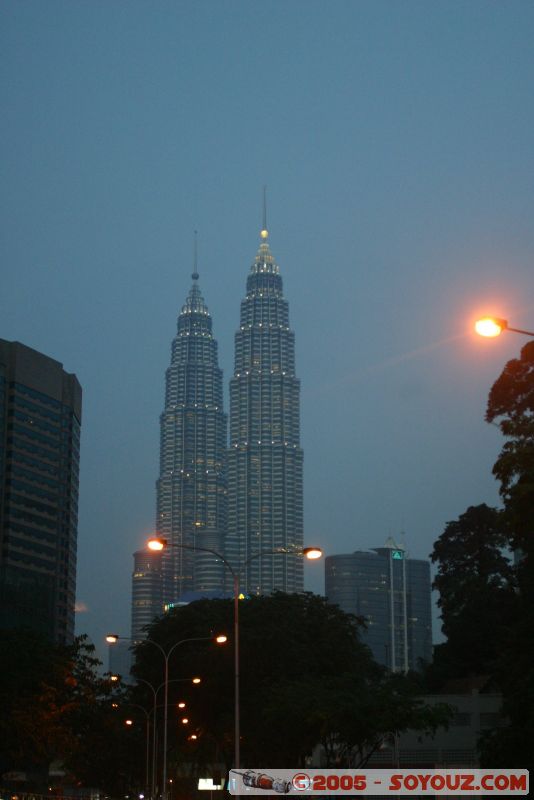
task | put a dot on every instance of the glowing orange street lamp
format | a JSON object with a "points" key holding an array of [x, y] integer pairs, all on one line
{"points": [[312, 553], [185, 721], [128, 721], [181, 705], [156, 544], [197, 680], [494, 326]]}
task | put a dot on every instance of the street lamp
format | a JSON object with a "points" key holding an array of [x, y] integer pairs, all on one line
{"points": [[130, 722], [494, 326], [158, 543], [220, 639], [312, 553], [155, 710]]}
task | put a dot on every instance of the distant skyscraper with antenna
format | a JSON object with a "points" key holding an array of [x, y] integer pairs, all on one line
{"points": [[191, 489], [265, 459], [392, 592]]}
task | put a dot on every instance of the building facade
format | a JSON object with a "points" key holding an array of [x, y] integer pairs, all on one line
{"points": [[393, 595], [147, 592], [191, 489], [477, 710], [265, 458], [40, 418]]}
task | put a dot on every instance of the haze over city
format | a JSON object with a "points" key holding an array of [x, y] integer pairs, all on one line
{"points": [[396, 144]]}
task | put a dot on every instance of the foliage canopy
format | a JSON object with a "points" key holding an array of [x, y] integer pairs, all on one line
{"points": [[511, 405], [57, 709], [305, 679], [476, 584]]}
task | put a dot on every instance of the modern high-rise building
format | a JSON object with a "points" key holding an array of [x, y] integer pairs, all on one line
{"points": [[191, 489], [393, 594], [265, 458], [147, 592], [40, 417]]}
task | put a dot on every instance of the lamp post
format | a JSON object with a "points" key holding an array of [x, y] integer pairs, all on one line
{"points": [[494, 326], [311, 553], [130, 722], [112, 638], [153, 782], [155, 696]]}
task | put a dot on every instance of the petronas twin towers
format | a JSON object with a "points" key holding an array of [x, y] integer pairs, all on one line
{"points": [[191, 489], [243, 500]]}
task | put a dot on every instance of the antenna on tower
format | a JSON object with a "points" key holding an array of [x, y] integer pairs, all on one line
{"points": [[264, 231], [195, 258]]}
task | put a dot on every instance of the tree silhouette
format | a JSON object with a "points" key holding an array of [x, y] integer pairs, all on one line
{"points": [[305, 679]]}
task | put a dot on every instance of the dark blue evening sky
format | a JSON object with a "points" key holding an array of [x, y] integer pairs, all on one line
{"points": [[396, 140]]}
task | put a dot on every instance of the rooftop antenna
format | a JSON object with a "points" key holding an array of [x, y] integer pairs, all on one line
{"points": [[195, 258], [264, 232]]}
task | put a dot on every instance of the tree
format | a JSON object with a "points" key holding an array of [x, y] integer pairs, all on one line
{"points": [[349, 715], [476, 585], [57, 708], [31, 677], [511, 406], [305, 678], [103, 752], [511, 402]]}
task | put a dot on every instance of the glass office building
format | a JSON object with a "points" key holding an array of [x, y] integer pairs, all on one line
{"points": [[147, 591], [40, 418], [265, 457], [393, 595], [191, 489]]}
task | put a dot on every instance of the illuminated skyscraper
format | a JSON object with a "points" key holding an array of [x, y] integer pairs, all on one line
{"points": [[191, 489], [265, 458]]}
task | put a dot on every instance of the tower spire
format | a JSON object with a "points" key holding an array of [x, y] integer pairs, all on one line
{"points": [[272, 460], [264, 232], [190, 501], [195, 258]]}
